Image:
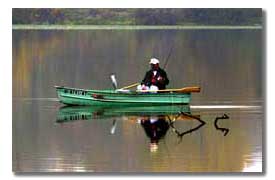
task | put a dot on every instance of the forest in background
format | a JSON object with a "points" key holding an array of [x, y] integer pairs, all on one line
{"points": [[197, 16]]}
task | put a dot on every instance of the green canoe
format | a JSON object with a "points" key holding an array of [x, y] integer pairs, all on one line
{"points": [[73, 113], [73, 96]]}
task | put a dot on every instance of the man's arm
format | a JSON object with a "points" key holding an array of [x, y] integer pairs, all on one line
{"points": [[146, 80], [164, 78]]}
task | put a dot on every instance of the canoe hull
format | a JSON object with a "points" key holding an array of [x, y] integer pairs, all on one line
{"points": [[73, 96]]}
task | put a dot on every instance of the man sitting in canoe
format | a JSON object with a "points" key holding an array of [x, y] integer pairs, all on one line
{"points": [[155, 79]]}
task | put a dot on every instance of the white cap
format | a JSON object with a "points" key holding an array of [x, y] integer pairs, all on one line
{"points": [[154, 61]]}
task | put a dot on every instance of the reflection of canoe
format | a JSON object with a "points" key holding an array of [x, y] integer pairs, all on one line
{"points": [[71, 113], [72, 96]]}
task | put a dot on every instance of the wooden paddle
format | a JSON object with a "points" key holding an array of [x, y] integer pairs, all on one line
{"points": [[181, 90]]}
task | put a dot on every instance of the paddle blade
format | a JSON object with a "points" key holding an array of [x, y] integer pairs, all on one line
{"points": [[191, 89], [114, 82]]}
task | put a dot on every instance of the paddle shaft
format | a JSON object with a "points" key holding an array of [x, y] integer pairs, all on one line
{"points": [[181, 90], [130, 86]]}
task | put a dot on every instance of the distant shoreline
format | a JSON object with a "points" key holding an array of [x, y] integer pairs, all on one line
{"points": [[126, 27]]}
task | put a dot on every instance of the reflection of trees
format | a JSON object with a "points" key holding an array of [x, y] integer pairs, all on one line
{"points": [[229, 61], [30, 52]]}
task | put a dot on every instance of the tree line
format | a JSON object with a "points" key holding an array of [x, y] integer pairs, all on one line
{"points": [[197, 16]]}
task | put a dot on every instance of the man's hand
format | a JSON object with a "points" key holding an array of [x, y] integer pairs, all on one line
{"points": [[160, 78]]}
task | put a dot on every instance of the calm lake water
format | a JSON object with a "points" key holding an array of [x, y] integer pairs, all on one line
{"points": [[226, 64]]}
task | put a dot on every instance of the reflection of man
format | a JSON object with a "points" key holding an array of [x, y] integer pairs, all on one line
{"points": [[155, 128]]}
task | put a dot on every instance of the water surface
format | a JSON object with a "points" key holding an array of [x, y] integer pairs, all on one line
{"points": [[226, 64]]}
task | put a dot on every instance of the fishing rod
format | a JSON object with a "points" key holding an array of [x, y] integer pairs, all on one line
{"points": [[167, 59]]}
